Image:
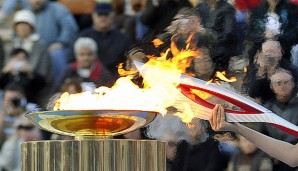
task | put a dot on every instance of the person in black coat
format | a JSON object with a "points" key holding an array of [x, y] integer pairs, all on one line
{"points": [[201, 152], [285, 30], [205, 156], [266, 62], [219, 22], [159, 14], [18, 70]]}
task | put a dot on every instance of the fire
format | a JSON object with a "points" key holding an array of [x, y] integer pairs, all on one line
{"points": [[245, 69], [159, 93], [124, 95], [201, 94], [157, 42], [222, 76], [188, 113], [124, 72]]}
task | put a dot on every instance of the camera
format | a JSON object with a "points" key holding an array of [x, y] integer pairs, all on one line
{"points": [[18, 102], [270, 60], [19, 65]]}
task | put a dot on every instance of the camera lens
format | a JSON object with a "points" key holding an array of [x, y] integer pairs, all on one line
{"points": [[16, 102], [270, 60]]}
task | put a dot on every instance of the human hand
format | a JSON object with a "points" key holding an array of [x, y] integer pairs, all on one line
{"points": [[9, 67], [269, 34], [217, 120], [260, 63], [27, 68], [55, 46], [15, 66]]}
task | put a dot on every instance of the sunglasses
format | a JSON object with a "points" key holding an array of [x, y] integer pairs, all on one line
{"points": [[25, 127]]}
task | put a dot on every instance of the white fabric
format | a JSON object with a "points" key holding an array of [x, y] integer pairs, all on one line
{"points": [[294, 57], [273, 23], [26, 44], [25, 16]]}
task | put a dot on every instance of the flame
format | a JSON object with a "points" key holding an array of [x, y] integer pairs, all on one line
{"points": [[123, 72], [222, 76], [201, 94], [113, 98], [245, 69], [187, 112], [158, 94], [157, 42]]}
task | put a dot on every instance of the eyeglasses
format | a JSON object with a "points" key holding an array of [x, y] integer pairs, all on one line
{"points": [[282, 82], [25, 127]]}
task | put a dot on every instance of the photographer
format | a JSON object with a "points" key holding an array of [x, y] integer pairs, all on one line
{"points": [[266, 62], [18, 70], [14, 104], [10, 153]]}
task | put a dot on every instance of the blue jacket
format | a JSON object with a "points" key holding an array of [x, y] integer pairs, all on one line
{"points": [[55, 24]]}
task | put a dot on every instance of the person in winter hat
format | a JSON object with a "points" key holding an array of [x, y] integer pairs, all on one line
{"points": [[25, 37]]}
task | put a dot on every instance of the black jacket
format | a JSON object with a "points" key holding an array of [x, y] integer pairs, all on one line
{"points": [[288, 14], [204, 157], [32, 84], [220, 25], [157, 18]]}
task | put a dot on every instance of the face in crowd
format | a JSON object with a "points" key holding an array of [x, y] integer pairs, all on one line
{"points": [[282, 83], [185, 22], [272, 52], [26, 131], [12, 103], [85, 50], [23, 29], [102, 21], [37, 5], [85, 57], [269, 58]]}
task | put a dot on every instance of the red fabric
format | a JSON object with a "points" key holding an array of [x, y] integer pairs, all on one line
{"points": [[246, 109], [246, 4], [185, 90], [295, 2], [95, 73], [287, 130]]}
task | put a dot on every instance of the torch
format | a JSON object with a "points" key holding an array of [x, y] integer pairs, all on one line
{"points": [[250, 111]]}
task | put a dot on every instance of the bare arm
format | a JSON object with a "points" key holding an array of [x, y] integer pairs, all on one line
{"points": [[280, 150]]}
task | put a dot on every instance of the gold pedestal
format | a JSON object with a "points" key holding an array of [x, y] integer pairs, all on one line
{"points": [[88, 152], [94, 155]]}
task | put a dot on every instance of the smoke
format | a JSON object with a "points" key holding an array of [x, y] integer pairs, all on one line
{"points": [[171, 128], [52, 101]]}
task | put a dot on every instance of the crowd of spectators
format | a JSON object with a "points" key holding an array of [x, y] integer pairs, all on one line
{"points": [[58, 46]]}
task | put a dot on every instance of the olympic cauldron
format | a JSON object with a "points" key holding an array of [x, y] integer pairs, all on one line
{"points": [[93, 148]]}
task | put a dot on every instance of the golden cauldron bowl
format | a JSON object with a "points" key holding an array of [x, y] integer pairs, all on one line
{"points": [[93, 149], [91, 123]]}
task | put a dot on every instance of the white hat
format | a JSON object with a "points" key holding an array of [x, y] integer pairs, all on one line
{"points": [[25, 16]]}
